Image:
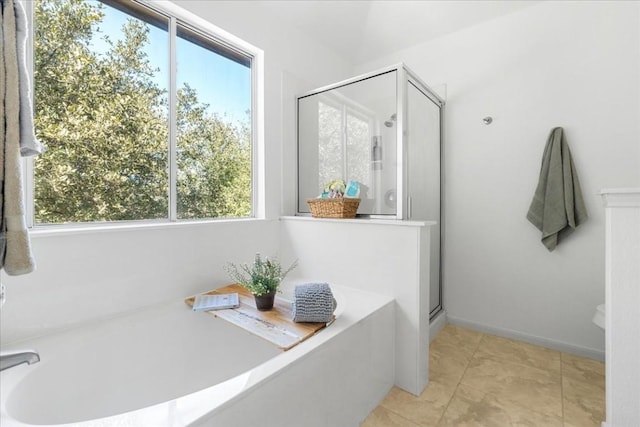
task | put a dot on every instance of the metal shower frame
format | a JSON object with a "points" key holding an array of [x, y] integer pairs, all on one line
{"points": [[404, 76]]}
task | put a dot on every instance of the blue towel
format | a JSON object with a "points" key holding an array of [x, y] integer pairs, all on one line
{"points": [[313, 302]]}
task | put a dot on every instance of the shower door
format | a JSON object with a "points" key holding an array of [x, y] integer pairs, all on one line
{"points": [[423, 179]]}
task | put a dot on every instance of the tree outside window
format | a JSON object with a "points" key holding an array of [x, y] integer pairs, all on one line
{"points": [[102, 108]]}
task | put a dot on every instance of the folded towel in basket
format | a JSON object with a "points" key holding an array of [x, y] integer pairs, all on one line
{"points": [[313, 302]]}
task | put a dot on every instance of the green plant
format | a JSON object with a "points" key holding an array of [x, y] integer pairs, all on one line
{"points": [[260, 278]]}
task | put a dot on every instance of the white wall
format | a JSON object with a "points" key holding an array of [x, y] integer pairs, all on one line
{"points": [[570, 64], [380, 256], [622, 322], [89, 275]]}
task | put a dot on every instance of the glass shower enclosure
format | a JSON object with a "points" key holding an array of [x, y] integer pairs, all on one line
{"points": [[383, 130]]}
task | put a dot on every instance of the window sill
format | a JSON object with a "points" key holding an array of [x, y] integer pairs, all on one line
{"points": [[70, 229], [369, 221]]}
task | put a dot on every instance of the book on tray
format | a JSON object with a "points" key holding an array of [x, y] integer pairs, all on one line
{"points": [[216, 302]]}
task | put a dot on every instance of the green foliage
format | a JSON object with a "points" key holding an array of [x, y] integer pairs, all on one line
{"points": [[214, 163], [104, 124], [261, 277]]}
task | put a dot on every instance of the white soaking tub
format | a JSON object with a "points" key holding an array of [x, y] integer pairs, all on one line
{"points": [[169, 366]]}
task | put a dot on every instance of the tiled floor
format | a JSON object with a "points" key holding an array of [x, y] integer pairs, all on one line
{"points": [[483, 380]]}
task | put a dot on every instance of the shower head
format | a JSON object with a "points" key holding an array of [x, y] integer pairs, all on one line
{"points": [[391, 120]]}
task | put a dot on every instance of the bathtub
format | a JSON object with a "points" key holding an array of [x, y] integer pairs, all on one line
{"points": [[169, 366]]}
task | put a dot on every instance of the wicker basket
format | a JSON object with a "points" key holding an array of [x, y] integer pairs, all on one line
{"points": [[340, 207]]}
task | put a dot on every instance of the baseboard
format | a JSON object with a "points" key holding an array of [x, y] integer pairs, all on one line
{"points": [[436, 324], [531, 339]]}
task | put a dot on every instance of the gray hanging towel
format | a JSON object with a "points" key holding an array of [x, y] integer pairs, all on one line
{"points": [[557, 207], [29, 145], [15, 246]]}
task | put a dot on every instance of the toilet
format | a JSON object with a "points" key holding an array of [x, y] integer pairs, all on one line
{"points": [[598, 317]]}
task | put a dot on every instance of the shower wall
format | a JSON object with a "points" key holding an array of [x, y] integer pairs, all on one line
{"points": [[342, 134], [382, 130], [423, 181]]}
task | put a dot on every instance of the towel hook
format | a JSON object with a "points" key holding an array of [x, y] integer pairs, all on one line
{"points": [[487, 120]]}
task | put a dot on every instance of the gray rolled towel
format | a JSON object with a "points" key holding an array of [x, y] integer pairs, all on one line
{"points": [[313, 302]]}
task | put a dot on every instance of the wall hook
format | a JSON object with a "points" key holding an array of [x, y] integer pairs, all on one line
{"points": [[487, 120]]}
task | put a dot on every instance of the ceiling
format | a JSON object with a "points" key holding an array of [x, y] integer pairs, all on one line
{"points": [[362, 30]]}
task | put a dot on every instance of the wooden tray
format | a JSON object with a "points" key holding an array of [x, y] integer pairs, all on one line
{"points": [[274, 325]]}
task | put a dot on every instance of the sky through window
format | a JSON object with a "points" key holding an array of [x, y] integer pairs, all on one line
{"points": [[220, 82]]}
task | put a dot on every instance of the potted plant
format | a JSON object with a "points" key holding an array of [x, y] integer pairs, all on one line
{"points": [[262, 279]]}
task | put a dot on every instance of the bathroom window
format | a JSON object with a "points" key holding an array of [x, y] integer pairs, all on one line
{"points": [[344, 139], [143, 116]]}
